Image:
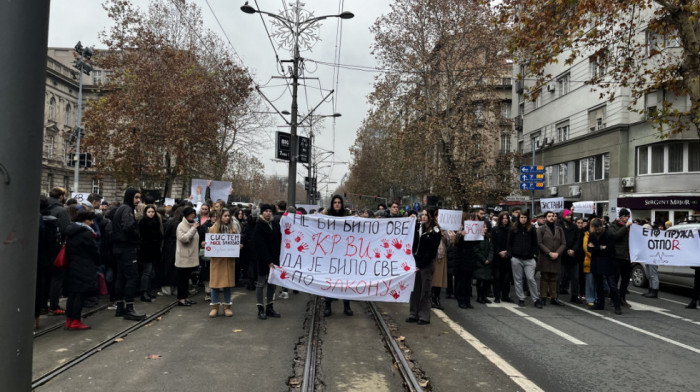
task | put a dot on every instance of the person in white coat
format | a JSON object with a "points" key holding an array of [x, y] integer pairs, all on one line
{"points": [[186, 254]]}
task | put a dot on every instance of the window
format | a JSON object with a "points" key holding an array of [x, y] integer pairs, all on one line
{"points": [[694, 156], [562, 173], [538, 100], [654, 42], [479, 115], [96, 77], [49, 182], [563, 84], [675, 157], [505, 144], [505, 110], [652, 100], [108, 76], [596, 119], [521, 145], [52, 109], [535, 140], [657, 158], [96, 185], [596, 68], [552, 175], [68, 115], [49, 146], [563, 131], [643, 164]]}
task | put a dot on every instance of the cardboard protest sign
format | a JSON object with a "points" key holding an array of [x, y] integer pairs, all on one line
{"points": [[584, 207], [555, 204], [222, 245], [347, 257], [80, 197], [449, 219], [474, 229], [169, 201], [665, 247], [217, 190]]}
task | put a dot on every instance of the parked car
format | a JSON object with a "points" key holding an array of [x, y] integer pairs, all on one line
{"points": [[668, 275]]}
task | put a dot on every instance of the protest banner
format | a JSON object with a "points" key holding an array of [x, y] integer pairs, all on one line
{"points": [[475, 230], [217, 190], [665, 247], [347, 257], [555, 204], [222, 245], [80, 197], [584, 207], [449, 219], [169, 202]]}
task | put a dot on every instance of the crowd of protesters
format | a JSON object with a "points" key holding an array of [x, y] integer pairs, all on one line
{"points": [[134, 249]]}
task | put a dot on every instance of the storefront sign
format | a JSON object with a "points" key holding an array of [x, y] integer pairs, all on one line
{"points": [[660, 202]]}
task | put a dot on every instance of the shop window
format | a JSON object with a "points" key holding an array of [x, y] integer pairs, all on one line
{"points": [[675, 157]]}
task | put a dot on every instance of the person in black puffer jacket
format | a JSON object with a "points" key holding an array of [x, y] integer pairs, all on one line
{"points": [[522, 248], [502, 269], [81, 275], [601, 244], [151, 229], [425, 247], [266, 240]]}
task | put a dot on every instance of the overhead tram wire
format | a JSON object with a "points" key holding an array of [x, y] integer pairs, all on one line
{"points": [[222, 30]]}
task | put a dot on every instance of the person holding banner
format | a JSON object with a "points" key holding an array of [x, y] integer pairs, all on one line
{"points": [[522, 247], [222, 269], [601, 245], [266, 240], [337, 209], [620, 229], [425, 247]]}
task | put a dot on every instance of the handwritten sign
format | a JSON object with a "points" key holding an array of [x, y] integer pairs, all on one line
{"points": [[555, 204], [347, 257], [584, 207], [80, 197], [665, 247], [169, 201], [449, 219], [222, 245], [217, 190], [474, 229]]}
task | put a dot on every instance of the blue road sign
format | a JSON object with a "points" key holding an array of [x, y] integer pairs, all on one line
{"points": [[532, 177], [531, 186], [531, 169]]}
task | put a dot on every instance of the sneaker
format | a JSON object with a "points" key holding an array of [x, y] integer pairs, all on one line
{"points": [[207, 297], [112, 306], [57, 312], [538, 304], [284, 295], [521, 303]]}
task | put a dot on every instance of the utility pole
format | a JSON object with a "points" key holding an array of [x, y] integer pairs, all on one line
{"points": [[24, 28], [292, 174], [83, 67]]}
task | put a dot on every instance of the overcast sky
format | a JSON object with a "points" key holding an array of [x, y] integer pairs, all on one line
{"points": [[81, 20]]}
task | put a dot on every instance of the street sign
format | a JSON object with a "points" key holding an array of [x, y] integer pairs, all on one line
{"points": [[284, 145], [517, 198], [531, 169], [532, 177], [304, 148], [531, 186]]}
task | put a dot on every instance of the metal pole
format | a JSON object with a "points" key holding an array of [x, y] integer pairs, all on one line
{"points": [[76, 169], [23, 38], [532, 193], [292, 175], [310, 195]]}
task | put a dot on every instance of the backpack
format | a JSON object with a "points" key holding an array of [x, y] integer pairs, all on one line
{"points": [[49, 240]]}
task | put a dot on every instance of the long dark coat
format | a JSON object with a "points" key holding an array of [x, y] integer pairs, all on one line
{"points": [[151, 240], [266, 241], [602, 260], [550, 242], [84, 256], [169, 247]]}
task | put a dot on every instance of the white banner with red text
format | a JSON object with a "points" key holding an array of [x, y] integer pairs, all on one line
{"points": [[347, 257], [665, 247]]}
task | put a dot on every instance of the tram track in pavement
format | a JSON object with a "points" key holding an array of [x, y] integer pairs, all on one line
{"points": [[60, 324], [313, 342], [67, 365]]}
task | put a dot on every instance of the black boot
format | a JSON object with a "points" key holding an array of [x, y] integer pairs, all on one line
{"points": [[437, 303], [261, 313], [651, 294], [270, 312], [327, 311], [131, 314], [693, 304], [346, 309], [145, 297], [120, 309]]}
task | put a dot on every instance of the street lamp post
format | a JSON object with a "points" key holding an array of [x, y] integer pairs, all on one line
{"points": [[83, 67], [296, 27]]}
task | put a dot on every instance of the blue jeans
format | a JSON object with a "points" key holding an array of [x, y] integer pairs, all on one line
{"points": [[590, 288], [215, 295]]}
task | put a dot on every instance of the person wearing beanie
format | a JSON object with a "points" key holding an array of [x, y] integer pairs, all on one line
{"points": [[266, 242], [552, 244], [570, 258], [81, 274], [126, 240], [186, 254], [620, 229]]}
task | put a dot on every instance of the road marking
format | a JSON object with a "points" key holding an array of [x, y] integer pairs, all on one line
{"points": [[653, 335], [546, 326], [662, 311], [525, 383], [663, 299]]}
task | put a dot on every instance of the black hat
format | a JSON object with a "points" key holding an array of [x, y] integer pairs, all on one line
{"points": [[264, 207], [623, 212], [188, 211]]}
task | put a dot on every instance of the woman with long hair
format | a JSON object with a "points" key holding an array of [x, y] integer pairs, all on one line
{"points": [[483, 253], [81, 276], [222, 273], [501, 261], [337, 208], [425, 247], [151, 229], [522, 248]]}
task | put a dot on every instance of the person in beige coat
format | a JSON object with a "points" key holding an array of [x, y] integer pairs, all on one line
{"points": [[186, 254], [552, 243], [222, 276]]}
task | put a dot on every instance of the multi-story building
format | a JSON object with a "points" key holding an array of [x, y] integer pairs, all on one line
{"points": [[599, 150]]}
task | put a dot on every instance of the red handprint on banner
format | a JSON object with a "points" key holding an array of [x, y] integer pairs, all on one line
{"points": [[284, 275], [406, 267], [397, 243], [385, 244], [288, 228], [288, 244], [403, 286], [395, 294], [299, 237], [407, 249], [377, 254], [303, 247], [285, 213], [389, 253]]}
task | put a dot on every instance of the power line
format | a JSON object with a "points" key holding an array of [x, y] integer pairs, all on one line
{"points": [[222, 30]]}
